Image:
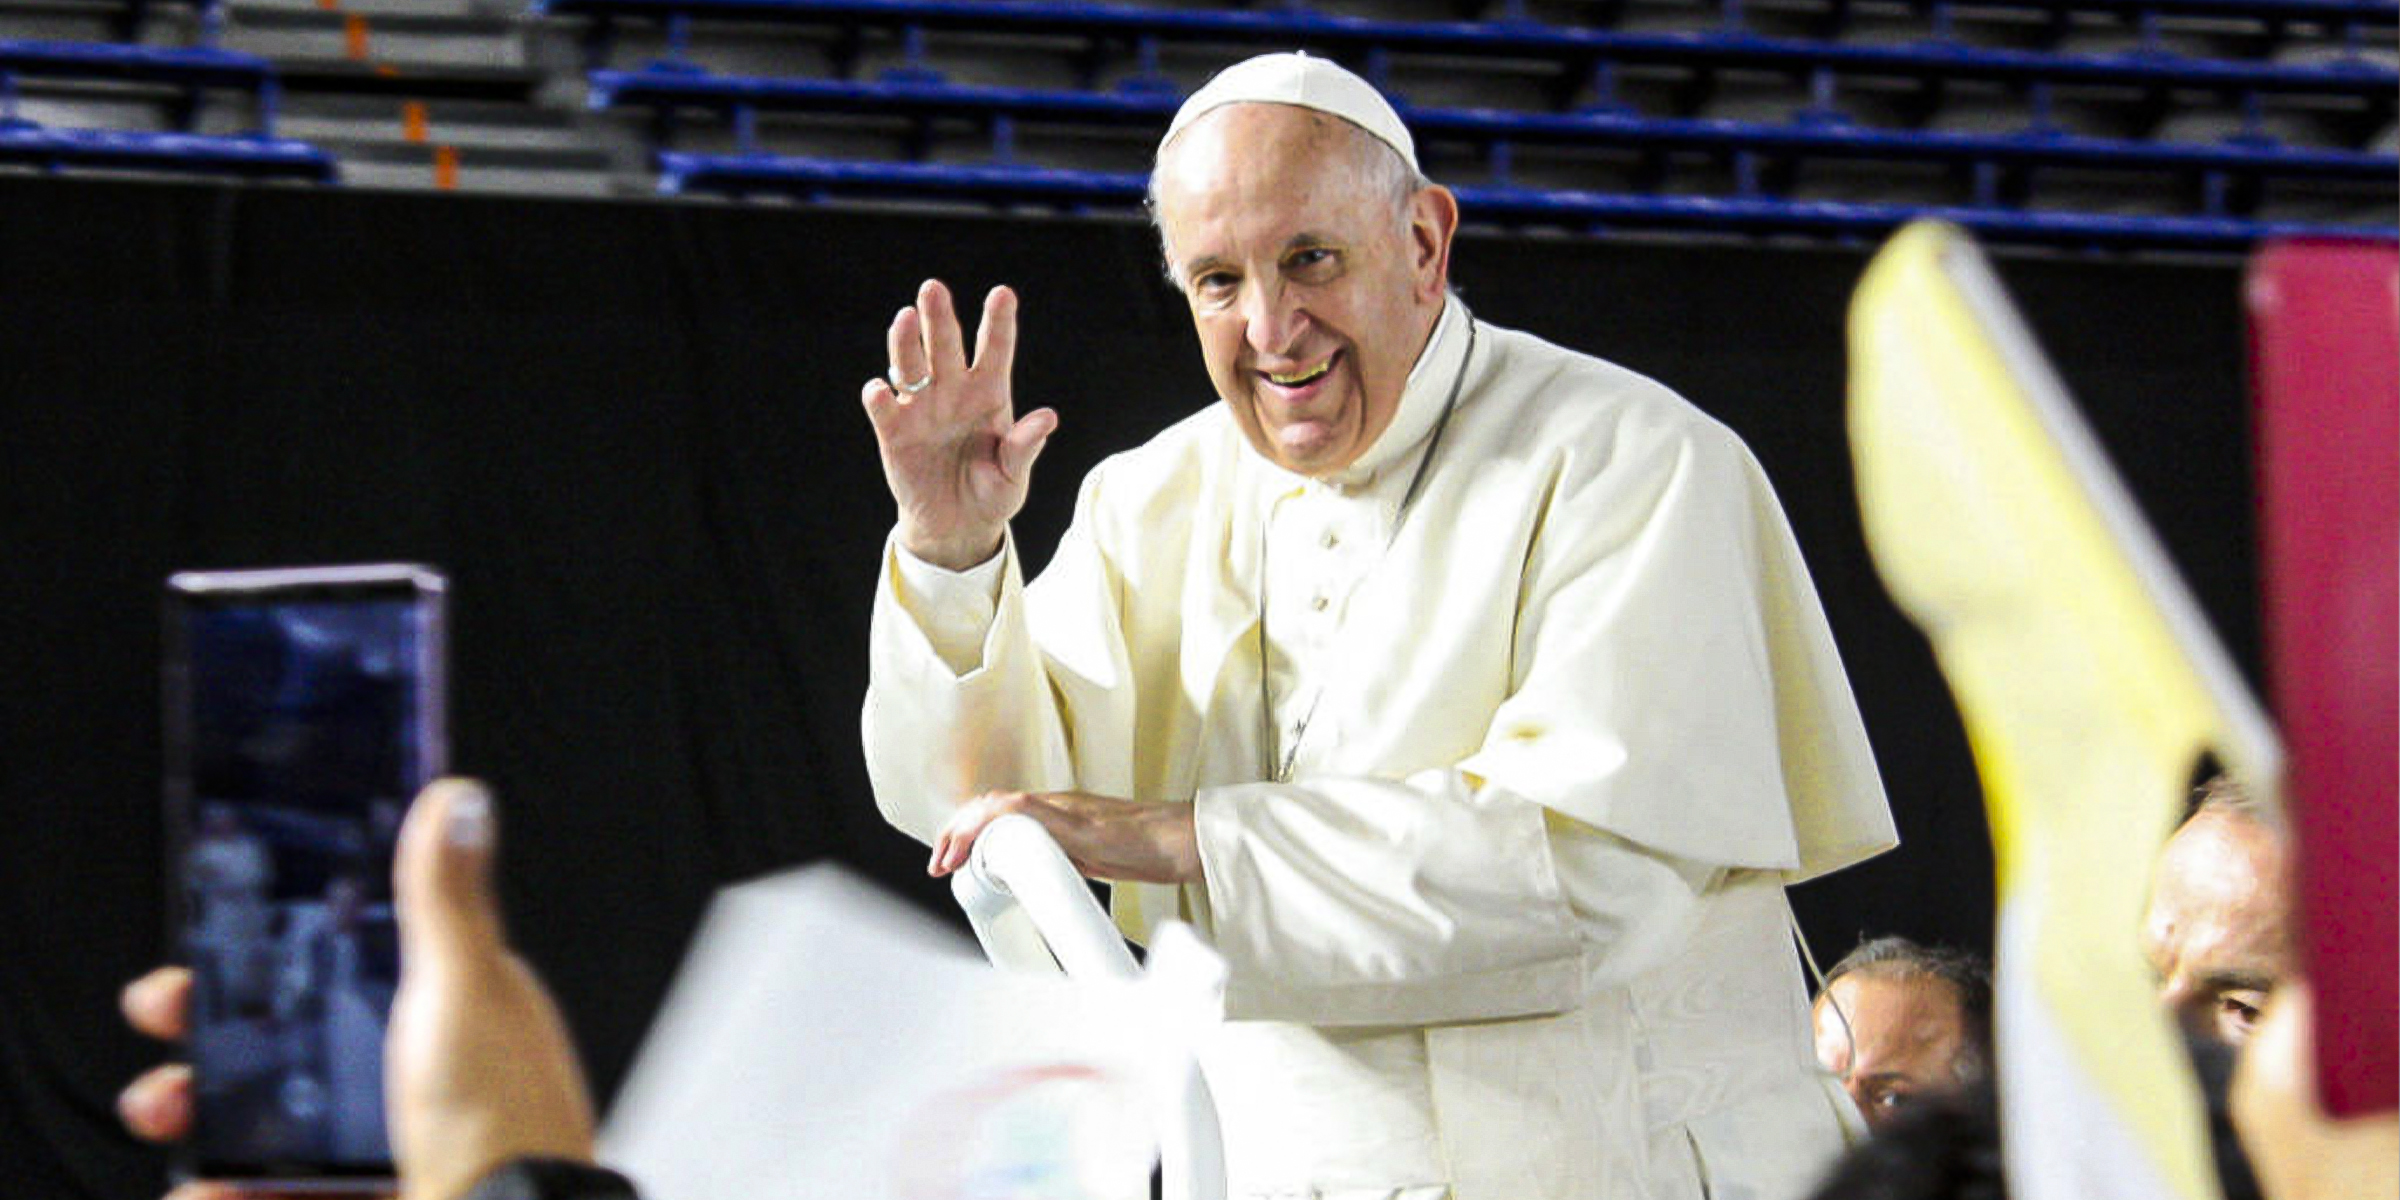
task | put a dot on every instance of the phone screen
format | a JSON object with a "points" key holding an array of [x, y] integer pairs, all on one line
{"points": [[304, 712]]}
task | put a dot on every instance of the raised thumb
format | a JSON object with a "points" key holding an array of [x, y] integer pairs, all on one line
{"points": [[442, 876], [1025, 440]]}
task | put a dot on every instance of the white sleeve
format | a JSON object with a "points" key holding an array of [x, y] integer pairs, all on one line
{"points": [[962, 698], [1363, 902], [952, 608]]}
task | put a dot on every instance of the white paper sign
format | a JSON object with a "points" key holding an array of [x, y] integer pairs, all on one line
{"points": [[826, 1040]]}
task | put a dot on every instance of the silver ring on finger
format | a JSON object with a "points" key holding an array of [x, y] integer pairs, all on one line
{"points": [[910, 386]]}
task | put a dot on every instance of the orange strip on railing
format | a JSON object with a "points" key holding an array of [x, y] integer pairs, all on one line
{"points": [[412, 121], [445, 168], [354, 37]]}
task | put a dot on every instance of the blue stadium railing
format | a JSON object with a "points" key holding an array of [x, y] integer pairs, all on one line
{"points": [[23, 143], [813, 179], [186, 74], [2320, 12], [2227, 176], [2352, 24], [190, 71], [1998, 161], [190, 66], [1932, 61]]}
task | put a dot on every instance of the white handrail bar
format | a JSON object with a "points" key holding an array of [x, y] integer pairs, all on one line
{"points": [[1015, 857], [1032, 910]]}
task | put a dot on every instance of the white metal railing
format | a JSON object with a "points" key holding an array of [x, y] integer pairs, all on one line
{"points": [[1033, 912]]}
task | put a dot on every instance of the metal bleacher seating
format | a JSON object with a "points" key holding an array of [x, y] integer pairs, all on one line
{"points": [[2115, 123], [27, 144], [379, 93], [1600, 120], [177, 80]]}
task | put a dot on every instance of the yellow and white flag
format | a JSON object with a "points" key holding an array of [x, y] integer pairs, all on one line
{"points": [[2089, 685]]}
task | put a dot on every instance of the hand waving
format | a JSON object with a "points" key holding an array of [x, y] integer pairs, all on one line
{"points": [[955, 454]]}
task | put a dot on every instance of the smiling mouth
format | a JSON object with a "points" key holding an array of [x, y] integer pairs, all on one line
{"points": [[1301, 378]]}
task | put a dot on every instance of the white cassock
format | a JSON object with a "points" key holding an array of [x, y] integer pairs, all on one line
{"points": [[1558, 733]]}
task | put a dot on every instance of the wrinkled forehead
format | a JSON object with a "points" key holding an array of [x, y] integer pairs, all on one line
{"points": [[2216, 862], [1898, 1016], [1905, 999], [2209, 925]]}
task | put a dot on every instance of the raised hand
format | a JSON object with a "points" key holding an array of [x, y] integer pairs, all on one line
{"points": [[956, 455]]}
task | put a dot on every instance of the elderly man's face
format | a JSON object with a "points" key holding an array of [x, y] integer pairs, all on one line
{"points": [[2215, 931], [1905, 1036], [1313, 291]]}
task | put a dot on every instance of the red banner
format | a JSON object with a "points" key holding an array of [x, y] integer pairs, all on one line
{"points": [[2325, 369]]}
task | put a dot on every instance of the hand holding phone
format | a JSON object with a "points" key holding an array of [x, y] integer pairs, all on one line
{"points": [[304, 709], [483, 1071], [482, 1068]]}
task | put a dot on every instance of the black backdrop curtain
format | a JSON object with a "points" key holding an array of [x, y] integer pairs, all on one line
{"points": [[629, 433]]}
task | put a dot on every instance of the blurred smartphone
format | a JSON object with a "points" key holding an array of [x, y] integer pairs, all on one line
{"points": [[304, 709]]}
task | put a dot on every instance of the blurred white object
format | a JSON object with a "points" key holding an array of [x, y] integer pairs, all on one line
{"points": [[1033, 912], [824, 1039]]}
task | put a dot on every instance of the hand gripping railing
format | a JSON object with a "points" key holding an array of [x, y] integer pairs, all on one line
{"points": [[1033, 912]]}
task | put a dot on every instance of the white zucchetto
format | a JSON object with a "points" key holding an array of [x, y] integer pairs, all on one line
{"points": [[1297, 79]]}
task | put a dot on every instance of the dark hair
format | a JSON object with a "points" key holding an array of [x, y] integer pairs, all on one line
{"points": [[1893, 956]]}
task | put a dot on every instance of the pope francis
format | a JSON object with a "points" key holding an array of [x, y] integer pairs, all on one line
{"points": [[1469, 693]]}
